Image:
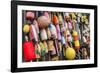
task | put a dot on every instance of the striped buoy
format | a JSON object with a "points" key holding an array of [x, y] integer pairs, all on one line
{"points": [[76, 39], [35, 23], [58, 32], [33, 34]]}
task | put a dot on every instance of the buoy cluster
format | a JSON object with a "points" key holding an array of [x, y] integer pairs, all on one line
{"points": [[53, 36]]}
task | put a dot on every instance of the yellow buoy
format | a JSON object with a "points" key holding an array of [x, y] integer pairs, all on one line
{"points": [[26, 28], [70, 53], [74, 33]]}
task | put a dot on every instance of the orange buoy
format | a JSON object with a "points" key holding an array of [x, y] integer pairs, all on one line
{"points": [[55, 20], [77, 44], [75, 35]]}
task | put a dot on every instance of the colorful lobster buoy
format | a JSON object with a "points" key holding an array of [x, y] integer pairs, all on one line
{"points": [[67, 17], [33, 35], [70, 26], [43, 49], [43, 22], [77, 44], [30, 15], [75, 35], [46, 14], [53, 31], [37, 51], [66, 25], [70, 53], [73, 16], [26, 28], [29, 51], [35, 23], [69, 36], [43, 34], [63, 41], [51, 47], [48, 33], [55, 20], [46, 46], [76, 40], [60, 19], [58, 32]]}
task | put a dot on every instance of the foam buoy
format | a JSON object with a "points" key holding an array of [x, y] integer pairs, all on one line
{"points": [[58, 32], [73, 15], [69, 37], [33, 34], [70, 53], [70, 27], [67, 16], [53, 30], [43, 22], [55, 20], [46, 14], [77, 44], [48, 33], [43, 49], [43, 34], [26, 28], [29, 51], [36, 26], [51, 47], [75, 35], [63, 41], [30, 15], [60, 19]]}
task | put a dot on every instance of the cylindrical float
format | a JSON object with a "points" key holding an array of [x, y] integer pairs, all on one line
{"points": [[43, 34], [33, 34]]}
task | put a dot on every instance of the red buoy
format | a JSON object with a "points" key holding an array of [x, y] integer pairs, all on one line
{"points": [[29, 51]]}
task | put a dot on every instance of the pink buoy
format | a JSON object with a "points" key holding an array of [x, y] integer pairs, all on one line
{"points": [[35, 23], [58, 32], [43, 22], [33, 34], [46, 14], [30, 15]]}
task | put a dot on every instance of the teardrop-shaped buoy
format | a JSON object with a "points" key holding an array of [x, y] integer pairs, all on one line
{"points": [[70, 53]]}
